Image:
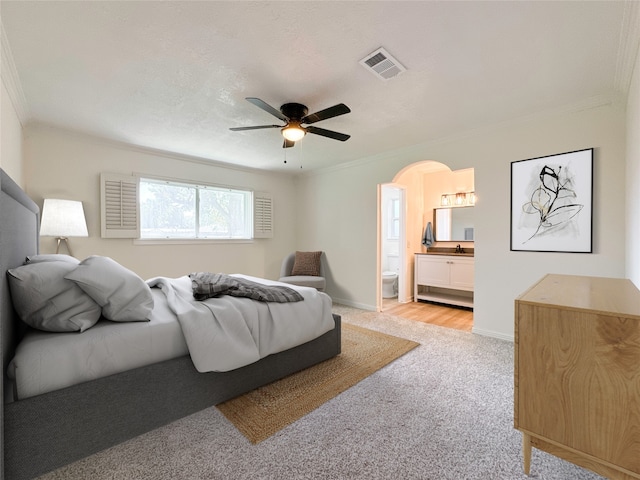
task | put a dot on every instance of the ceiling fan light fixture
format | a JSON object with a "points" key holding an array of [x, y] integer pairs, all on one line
{"points": [[295, 116], [293, 133]]}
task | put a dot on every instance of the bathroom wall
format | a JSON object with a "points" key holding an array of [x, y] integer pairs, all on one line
{"points": [[425, 183], [439, 183]]}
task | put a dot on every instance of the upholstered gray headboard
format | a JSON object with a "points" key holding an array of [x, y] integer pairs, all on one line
{"points": [[19, 223]]}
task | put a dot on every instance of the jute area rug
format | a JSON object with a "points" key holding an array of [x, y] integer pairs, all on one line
{"points": [[266, 410]]}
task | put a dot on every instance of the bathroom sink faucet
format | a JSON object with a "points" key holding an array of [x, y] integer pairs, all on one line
{"points": [[459, 249]]}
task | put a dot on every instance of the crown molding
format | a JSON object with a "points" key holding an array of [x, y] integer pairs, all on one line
{"points": [[627, 46], [95, 139], [416, 152], [11, 80]]}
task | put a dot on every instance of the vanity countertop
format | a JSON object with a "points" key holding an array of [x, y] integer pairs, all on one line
{"points": [[466, 251], [451, 254]]}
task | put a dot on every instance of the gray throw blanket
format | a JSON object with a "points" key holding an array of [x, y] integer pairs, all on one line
{"points": [[207, 285]]}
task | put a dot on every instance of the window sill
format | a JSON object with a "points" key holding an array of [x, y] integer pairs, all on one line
{"points": [[189, 241]]}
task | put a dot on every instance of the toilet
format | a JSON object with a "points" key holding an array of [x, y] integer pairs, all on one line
{"points": [[389, 284], [390, 276]]}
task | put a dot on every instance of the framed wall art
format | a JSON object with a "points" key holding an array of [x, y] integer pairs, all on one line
{"points": [[552, 203]]}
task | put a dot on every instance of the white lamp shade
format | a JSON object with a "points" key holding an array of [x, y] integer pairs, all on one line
{"points": [[63, 218]]}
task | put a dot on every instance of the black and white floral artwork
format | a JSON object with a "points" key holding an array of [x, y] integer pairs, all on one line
{"points": [[551, 203]]}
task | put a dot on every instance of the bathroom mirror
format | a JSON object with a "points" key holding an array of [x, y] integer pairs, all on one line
{"points": [[453, 224]]}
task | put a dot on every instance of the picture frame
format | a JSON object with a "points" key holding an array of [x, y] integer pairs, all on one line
{"points": [[552, 203]]}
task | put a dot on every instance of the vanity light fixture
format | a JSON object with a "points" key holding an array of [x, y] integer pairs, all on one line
{"points": [[460, 199]]}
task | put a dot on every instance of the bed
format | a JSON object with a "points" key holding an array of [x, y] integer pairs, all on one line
{"points": [[49, 430]]}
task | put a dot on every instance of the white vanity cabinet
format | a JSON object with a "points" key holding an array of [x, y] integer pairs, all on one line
{"points": [[444, 279]]}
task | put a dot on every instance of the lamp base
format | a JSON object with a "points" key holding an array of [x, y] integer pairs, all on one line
{"points": [[66, 242]]}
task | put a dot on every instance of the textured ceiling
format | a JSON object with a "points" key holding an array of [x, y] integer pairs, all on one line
{"points": [[173, 75]]}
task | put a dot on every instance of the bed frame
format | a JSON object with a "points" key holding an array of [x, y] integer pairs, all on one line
{"points": [[48, 431]]}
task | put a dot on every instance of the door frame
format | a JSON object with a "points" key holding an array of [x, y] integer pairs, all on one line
{"points": [[402, 244]]}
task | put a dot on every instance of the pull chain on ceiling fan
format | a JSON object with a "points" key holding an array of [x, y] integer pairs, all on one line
{"points": [[295, 117], [299, 156]]}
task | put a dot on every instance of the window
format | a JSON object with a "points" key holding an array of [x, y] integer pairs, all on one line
{"points": [[190, 211], [394, 219]]}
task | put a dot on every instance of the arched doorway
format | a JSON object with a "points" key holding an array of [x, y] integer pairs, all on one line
{"points": [[423, 185]]}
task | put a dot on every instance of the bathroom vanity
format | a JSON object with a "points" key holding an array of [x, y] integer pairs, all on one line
{"points": [[444, 278]]}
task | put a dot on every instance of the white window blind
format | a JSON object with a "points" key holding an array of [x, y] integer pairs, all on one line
{"points": [[262, 215], [119, 206]]}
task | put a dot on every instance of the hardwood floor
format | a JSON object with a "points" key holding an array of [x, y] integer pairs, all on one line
{"points": [[444, 316]]}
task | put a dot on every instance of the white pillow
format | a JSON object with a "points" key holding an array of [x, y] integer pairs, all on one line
{"points": [[44, 300], [52, 257], [123, 295]]}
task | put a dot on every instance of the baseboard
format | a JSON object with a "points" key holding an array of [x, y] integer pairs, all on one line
{"points": [[349, 303], [491, 333]]}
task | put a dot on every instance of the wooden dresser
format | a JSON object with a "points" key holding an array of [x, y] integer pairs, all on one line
{"points": [[577, 372]]}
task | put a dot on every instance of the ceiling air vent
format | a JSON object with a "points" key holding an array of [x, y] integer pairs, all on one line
{"points": [[382, 64]]}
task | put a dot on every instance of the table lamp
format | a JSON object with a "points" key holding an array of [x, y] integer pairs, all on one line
{"points": [[63, 219]]}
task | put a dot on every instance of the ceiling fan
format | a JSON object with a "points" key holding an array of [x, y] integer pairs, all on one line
{"points": [[295, 115]]}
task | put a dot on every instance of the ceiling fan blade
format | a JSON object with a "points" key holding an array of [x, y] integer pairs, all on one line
{"points": [[328, 133], [288, 143], [330, 112], [267, 108], [239, 129]]}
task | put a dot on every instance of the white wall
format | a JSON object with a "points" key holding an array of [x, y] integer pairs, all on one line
{"points": [[340, 209], [61, 164], [633, 177], [335, 210], [10, 139]]}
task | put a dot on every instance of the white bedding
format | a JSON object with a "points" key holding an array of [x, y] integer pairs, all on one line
{"points": [[46, 361], [221, 334], [228, 332]]}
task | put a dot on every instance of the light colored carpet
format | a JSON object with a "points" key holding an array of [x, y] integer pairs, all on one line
{"points": [[443, 411], [264, 411]]}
